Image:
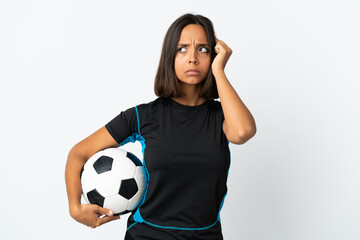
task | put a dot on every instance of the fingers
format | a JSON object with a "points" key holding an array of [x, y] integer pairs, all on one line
{"points": [[221, 42], [107, 219], [104, 211], [92, 215], [101, 220], [221, 46]]}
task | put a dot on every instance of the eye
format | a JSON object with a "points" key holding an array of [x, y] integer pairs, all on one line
{"points": [[205, 50], [179, 49]]}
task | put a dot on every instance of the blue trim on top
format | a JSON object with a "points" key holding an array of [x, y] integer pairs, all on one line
{"points": [[222, 202], [180, 228], [221, 205], [137, 137], [138, 121], [131, 138], [131, 225], [137, 216]]}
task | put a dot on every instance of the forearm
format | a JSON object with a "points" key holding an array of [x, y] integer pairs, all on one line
{"points": [[73, 168], [238, 118]]}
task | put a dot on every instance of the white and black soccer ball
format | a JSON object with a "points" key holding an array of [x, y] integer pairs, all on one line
{"points": [[114, 178]]}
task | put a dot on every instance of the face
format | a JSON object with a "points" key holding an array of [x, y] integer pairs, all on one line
{"points": [[192, 54]]}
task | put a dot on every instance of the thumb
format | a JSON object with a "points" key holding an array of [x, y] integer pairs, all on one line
{"points": [[105, 211]]}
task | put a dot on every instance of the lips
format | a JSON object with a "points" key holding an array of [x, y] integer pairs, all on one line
{"points": [[192, 72]]}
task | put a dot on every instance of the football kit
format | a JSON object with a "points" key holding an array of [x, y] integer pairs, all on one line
{"points": [[186, 159]]}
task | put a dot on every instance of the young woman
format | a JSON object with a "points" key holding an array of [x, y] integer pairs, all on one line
{"points": [[184, 134]]}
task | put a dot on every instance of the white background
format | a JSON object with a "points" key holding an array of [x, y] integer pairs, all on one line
{"points": [[68, 67]]}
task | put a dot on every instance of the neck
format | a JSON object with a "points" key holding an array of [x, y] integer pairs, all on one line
{"points": [[191, 95]]}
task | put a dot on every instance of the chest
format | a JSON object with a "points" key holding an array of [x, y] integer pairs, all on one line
{"points": [[185, 142]]}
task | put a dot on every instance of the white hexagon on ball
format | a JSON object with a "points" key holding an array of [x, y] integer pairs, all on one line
{"points": [[116, 203]]}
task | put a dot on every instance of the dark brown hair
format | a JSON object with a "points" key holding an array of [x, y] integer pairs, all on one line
{"points": [[166, 81]]}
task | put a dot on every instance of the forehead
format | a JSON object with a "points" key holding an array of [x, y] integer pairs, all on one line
{"points": [[193, 32]]}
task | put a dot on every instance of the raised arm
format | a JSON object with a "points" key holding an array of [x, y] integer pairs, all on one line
{"points": [[239, 125]]}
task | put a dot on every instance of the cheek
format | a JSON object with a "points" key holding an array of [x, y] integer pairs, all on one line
{"points": [[206, 62], [205, 59], [178, 64], [180, 58]]}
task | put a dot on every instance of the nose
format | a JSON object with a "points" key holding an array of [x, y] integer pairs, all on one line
{"points": [[193, 57]]}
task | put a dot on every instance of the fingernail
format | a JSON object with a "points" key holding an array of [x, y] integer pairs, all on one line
{"points": [[111, 213]]}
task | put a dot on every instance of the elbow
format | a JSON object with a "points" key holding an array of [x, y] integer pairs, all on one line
{"points": [[243, 136], [77, 154]]}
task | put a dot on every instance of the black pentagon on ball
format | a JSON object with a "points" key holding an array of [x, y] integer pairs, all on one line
{"points": [[128, 188], [95, 198], [103, 164], [134, 158]]}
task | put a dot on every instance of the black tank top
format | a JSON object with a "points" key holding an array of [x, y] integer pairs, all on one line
{"points": [[186, 158]]}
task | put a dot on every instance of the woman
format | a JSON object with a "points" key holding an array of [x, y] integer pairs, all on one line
{"points": [[185, 135]]}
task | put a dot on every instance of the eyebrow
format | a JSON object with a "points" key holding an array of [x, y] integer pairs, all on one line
{"points": [[185, 45]]}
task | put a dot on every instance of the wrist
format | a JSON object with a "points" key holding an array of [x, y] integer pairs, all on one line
{"points": [[218, 73]]}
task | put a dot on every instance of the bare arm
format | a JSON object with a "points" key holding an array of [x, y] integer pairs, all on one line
{"points": [[87, 214], [239, 125]]}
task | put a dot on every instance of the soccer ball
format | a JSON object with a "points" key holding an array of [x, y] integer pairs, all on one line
{"points": [[114, 178]]}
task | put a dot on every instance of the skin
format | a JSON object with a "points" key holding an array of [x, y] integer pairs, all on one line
{"points": [[192, 56], [238, 126]]}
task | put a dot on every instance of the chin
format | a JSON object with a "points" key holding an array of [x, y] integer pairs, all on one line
{"points": [[191, 80]]}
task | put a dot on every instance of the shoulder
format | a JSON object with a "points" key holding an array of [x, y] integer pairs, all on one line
{"points": [[158, 103], [215, 105], [216, 110], [151, 105], [151, 108]]}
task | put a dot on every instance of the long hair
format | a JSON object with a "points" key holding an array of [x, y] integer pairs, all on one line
{"points": [[166, 81]]}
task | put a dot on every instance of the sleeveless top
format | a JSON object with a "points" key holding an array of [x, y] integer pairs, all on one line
{"points": [[186, 159]]}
